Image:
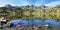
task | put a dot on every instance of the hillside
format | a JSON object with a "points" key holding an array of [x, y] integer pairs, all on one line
{"points": [[30, 12]]}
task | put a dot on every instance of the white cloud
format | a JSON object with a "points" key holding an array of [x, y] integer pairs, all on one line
{"points": [[14, 2], [25, 2], [52, 4], [3, 2]]}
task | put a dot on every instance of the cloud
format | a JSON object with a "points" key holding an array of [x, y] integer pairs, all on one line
{"points": [[29, 2], [13, 2], [54, 3], [3, 2]]}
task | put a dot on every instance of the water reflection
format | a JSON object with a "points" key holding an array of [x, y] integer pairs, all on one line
{"points": [[24, 24]]}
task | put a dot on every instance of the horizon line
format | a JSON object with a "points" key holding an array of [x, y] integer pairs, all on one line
{"points": [[27, 5]]}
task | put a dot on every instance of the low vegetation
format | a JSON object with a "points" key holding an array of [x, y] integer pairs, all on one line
{"points": [[30, 14]]}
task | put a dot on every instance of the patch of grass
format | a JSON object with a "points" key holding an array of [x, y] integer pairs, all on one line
{"points": [[0, 29]]}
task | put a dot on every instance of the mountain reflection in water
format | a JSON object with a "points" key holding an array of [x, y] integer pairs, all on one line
{"points": [[36, 22]]}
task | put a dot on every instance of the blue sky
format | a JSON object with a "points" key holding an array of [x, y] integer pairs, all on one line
{"points": [[29, 2]]}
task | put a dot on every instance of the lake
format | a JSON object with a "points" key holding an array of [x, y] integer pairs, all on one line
{"points": [[52, 24]]}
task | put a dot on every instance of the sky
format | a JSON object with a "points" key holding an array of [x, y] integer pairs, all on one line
{"points": [[29, 2]]}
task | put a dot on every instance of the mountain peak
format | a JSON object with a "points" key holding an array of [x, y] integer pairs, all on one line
{"points": [[8, 5]]}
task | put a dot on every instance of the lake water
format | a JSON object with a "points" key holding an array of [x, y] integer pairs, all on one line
{"points": [[52, 24]]}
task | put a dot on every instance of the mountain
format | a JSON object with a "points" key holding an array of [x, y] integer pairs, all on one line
{"points": [[35, 7], [27, 7], [11, 7]]}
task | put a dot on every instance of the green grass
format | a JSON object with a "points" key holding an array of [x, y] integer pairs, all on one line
{"points": [[0, 29]]}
